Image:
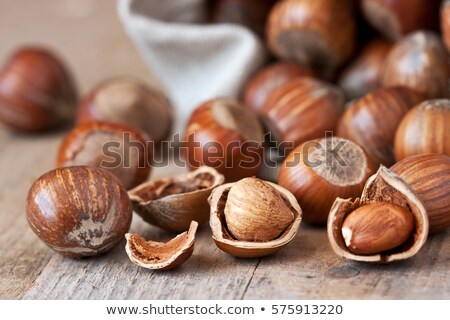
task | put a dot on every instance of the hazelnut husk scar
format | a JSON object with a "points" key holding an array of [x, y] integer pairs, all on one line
{"points": [[172, 203], [161, 256], [383, 187], [244, 233]]}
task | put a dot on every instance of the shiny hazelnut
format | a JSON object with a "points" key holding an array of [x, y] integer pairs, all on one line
{"points": [[223, 134], [79, 211], [129, 101], [271, 77], [419, 61], [363, 74], [302, 109], [429, 176], [253, 218], [372, 121], [320, 33], [445, 22], [117, 148], [37, 91], [424, 129], [396, 18], [318, 171], [388, 223]]}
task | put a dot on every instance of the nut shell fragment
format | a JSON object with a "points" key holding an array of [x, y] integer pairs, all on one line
{"points": [[172, 203], [384, 186], [161, 256], [249, 249]]}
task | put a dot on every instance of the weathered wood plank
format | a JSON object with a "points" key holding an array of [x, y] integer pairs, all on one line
{"points": [[308, 269]]}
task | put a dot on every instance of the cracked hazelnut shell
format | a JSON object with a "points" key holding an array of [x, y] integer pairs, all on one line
{"points": [[37, 91], [373, 120], [128, 158], [257, 213], [268, 79], [79, 211], [131, 102], [223, 134], [419, 61], [320, 34], [429, 176], [161, 256], [316, 182], [172, 203], [424, 129], [384, 187], [302, 109]]}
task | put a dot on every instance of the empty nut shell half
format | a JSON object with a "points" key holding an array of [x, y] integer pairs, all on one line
{"points": [[384, 186], [172, 203], [226, 242], [161, 256]]}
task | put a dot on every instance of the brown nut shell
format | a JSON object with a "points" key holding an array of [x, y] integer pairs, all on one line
{"points": [[429, 176], [172, 203], [79, 211], [384, 186], [445, 23], [161, 256], [249, 249]]}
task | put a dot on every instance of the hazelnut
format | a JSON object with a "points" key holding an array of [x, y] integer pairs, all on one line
{"points": [[363, 75], [320, 33], [87, 144], [420, 62], [377, 227], [318, 171], [302, 109], [445, 22], [129, 101], [424, 129], [253, 218], [372, 121], [248, 13], [37, 91], [429, 176], [79, 211], [172, 203], [271, 77], [396, 18], [223, 134], [388, 223], [161, 256]]}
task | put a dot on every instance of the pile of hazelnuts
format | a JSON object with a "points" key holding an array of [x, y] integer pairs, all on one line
{"points": [[375, 73]]}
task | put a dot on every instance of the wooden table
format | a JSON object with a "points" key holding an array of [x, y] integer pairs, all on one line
{"points": [[88, 34]]}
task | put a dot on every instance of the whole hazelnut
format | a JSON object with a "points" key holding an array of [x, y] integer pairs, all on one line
{"points": [[129, 101], [363, 75], [445, 22], [248, 13], [372, 121], [271, 77], [396, 18], [419, 61], [79, 211], [37, 91], [117, 148], [318, 171], [302, 109], [424, 129], [320, 33], [429, 176], [253, 217], [223, 134]]}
